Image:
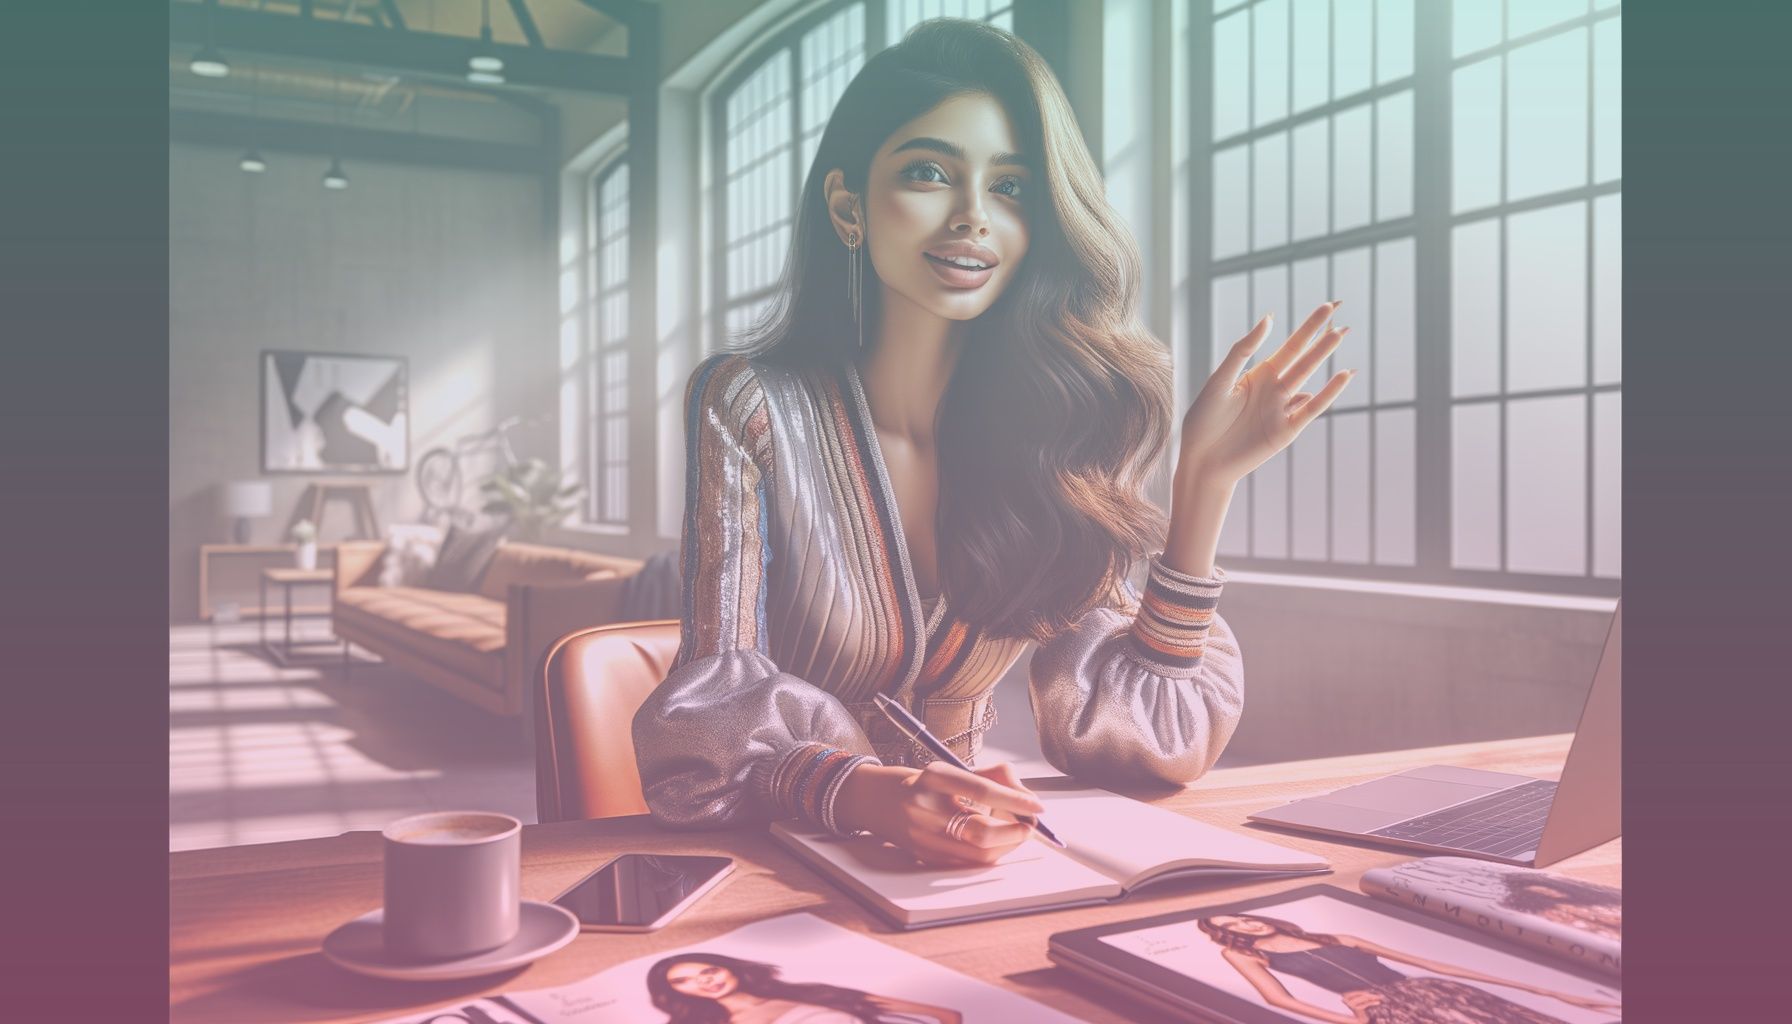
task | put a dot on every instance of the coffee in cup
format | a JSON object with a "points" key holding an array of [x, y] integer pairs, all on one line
{"points": [[453, 882]]}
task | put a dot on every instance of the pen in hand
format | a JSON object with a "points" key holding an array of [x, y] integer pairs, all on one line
{"points": [[914, 730]]}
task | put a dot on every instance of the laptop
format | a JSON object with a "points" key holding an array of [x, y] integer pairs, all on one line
{"points": [[1513, 819]]}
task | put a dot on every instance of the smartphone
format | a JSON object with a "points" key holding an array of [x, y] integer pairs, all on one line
{"points": [[639, 892]]}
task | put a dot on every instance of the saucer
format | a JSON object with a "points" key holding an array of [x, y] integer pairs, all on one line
{"points": [[360, 946]]}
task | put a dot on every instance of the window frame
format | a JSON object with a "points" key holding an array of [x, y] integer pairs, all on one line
{"points": [[1430, 226], [787, 39], [593, 348]]}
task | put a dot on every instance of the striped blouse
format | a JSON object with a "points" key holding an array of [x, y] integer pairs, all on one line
{"points": [[799, 605]]}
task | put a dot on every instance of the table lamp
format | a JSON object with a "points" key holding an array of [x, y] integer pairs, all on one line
{"points": [[244, 500]]}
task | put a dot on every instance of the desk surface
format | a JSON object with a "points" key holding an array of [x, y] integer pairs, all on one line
{"points": [[246, 921]]}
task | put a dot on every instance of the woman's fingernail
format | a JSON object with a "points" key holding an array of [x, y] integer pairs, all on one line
{"points": [[1337, 302]]}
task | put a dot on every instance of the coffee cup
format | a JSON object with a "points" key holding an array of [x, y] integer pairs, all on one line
{"points": [[453, 883]]}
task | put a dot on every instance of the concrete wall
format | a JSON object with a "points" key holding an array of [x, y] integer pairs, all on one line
{"points": [[449, 268], [1331, 672]]}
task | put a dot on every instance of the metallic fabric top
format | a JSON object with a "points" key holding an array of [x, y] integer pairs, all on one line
{"points": [[800, 604]]}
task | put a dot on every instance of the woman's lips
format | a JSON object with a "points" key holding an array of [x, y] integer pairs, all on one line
{"points": [[956, 276]]}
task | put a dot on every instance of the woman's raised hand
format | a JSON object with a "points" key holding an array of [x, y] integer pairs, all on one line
{"points": [[912, 808], [1239, 420]]}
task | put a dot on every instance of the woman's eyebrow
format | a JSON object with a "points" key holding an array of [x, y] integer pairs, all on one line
{"points": [[956, 152]]}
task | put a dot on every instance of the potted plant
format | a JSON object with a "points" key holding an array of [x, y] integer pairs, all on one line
{"points": [[531, 495], [304, 534]]}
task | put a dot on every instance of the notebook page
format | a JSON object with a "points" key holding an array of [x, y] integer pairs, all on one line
{"points": [[1032, 874], [1129, 841]]}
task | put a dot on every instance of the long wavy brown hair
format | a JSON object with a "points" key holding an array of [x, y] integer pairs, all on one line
{"points": [[1060, 402], [754, 978]]}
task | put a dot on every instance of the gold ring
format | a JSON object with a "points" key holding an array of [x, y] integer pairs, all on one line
{"points": [[955, 826]]}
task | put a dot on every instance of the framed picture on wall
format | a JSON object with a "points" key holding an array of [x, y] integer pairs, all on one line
{"points": [[327, 412]]}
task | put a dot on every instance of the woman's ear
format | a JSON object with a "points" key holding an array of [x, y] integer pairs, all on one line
{"points": [[843, 207]]}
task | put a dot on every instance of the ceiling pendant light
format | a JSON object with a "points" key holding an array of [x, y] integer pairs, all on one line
{"points": [[208, 62], [334, 178], [251, 160], [485, 67]]}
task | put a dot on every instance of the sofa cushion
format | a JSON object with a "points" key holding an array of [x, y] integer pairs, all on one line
{"points": [[461, 632], [411, 550], [464, 557]]}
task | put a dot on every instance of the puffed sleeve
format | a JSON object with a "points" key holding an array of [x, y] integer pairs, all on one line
{"points": [[727, 738], [1145, 690]]}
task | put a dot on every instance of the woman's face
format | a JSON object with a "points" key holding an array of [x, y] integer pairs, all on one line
{"points": [[950, 188], [704, 981], [1244, 926]]}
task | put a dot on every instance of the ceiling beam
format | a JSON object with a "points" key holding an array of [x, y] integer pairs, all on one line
{"points": [[234, 131], [393, 18], [525, 21], [417, 52], [629, 12]]}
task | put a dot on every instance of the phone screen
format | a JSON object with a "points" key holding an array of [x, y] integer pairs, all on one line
{"points": [[636, 890]]}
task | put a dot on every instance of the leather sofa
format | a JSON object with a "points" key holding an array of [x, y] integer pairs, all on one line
{"points": [[485, 646]]}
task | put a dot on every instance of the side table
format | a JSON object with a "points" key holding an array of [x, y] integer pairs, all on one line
{"points": [[286, 579]]}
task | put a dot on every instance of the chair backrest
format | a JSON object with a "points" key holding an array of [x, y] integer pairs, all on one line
{"points": [[590, 685]]}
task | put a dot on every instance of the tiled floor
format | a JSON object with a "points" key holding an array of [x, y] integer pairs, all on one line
{"points": [[259, 753]]}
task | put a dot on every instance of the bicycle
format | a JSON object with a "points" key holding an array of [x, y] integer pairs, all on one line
{"points": [[440, 479]]}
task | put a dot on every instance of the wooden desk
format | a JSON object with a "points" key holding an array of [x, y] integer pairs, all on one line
{"points": [[246, 922]]}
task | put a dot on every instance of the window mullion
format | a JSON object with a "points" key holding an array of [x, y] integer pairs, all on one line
{"points": [[1431, 288]]}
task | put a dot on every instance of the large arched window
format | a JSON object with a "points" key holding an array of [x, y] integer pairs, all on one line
{"points": [[1450, 171], [768, 117]]}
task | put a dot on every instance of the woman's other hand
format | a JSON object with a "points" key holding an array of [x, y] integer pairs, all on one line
{"points": [[1360, 1002], [911, 808], [1239, 420]]}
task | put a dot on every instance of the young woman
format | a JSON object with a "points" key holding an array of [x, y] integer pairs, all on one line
{"points": [[932, 453], [702, 988], [1261, 947]]}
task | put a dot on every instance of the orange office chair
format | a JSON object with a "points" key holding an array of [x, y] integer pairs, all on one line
{"points": [[591, 683]]}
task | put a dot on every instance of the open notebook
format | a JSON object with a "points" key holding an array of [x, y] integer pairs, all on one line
{"points": [[1115, 844]]}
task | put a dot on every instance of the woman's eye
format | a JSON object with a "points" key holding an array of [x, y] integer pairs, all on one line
{"points": [[1010, 187], [920, 172]]}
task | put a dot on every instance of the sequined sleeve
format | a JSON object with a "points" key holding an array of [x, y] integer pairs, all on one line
{"points": [[728, 738], [1141, 689]]}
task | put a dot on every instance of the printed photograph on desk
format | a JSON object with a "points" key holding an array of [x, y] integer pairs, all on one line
{"points": [[1329, 955], [795, 969]]}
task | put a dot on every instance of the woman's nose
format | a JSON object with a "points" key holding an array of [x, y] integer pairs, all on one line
{"points": [[973, 216]]}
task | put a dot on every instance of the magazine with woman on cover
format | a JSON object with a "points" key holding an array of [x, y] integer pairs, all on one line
{"points": [[1324, 954], [794, 969], [1562, 916]]}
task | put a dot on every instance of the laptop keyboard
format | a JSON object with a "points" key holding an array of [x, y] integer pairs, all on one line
{"points": [[1504, 824]]}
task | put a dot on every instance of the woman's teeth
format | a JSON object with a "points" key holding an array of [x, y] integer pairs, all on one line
{"points": [[962, 261]]}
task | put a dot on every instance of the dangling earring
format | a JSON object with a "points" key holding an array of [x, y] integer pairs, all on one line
{"points": [[855, 284]]}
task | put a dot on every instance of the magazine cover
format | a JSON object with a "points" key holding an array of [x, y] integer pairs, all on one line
{"points": [[1326, 954], [795, 969], [1564, 916]]}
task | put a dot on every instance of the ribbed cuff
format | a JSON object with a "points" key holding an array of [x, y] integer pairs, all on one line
{"points": [[805, 782], [1169, 634]]}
